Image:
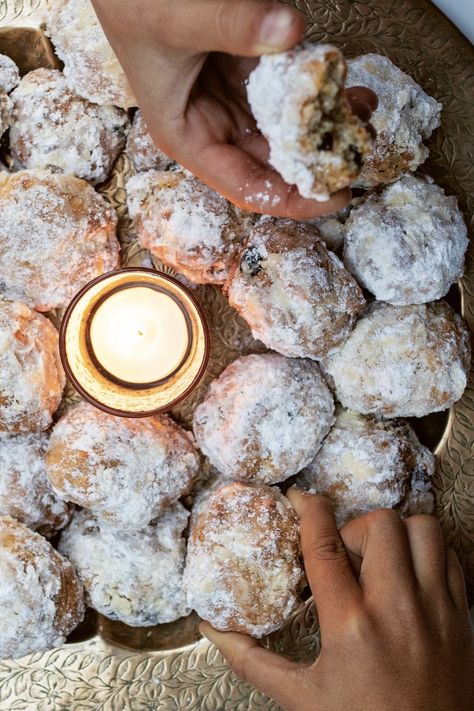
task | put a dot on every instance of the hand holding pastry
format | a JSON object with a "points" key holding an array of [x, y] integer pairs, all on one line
{"points": [[188, 63], [394, 619]]}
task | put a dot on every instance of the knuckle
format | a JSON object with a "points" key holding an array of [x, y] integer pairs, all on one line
{"points": [[383, 518], [328, 547]]}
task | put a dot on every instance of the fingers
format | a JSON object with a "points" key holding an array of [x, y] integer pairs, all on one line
{"points": [[253, 186], [336, 591], [275, 676], [247, 28], [381, 541], [428, 553], [455, 580]]}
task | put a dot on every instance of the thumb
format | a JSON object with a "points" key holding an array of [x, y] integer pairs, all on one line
{"points": [[247, 28], [271, 674]]}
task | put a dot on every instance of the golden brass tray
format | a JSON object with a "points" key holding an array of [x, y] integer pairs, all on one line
{"points": [[111, 667]]}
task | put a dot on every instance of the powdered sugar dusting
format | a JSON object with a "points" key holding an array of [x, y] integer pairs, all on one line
{"points": [[404, 117], [264, 418], [53, 127], [366, 464], [294, 294], [31, 375], [9, 74], [40, 598], [406, 244], [134, 577], [185, 223], [403, 361], [25, 490], [124, 470], [56, 234], [90, 65], [141, 148], [243, 569]]}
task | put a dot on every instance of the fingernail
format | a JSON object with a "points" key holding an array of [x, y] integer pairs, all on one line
{"points": [[275, 29]]}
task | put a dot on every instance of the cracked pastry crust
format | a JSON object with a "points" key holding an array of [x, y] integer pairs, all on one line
{"points": [[406, 242], [402, 361], [295, 295], [124, 470], [25, 491], [264, 418], [54, 128], [141, 148], [131, 576], [298, 100], [365, 464], [90, 65], [404, 118], [31, 375], [41, 600], [243, 569], [186, 224], [56, 234]]}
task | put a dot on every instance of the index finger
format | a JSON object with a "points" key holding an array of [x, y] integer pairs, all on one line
{"points": [[328, 569]]}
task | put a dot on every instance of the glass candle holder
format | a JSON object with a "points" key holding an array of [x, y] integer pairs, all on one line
{"points": [[134, 342]]}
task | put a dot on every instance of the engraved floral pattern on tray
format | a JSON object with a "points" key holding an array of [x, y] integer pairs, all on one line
{"points": [[96, 675]]}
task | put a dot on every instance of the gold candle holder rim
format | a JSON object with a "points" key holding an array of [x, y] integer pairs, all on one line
{"points": [[79, 387]]}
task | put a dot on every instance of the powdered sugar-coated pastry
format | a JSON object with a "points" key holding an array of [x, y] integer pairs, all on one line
{"points": [[404, 117], [41, 599], [25, 490], [131, 576], [406, 243], [243, 569], [31, 376], [366, 464], [186, 224], [52, 127], [56, 234], [141, 148], [6, 108], [295, 295], [264, 418], [402, 361], [9, 74], [90, 65], [298, 100], [124, 470]]}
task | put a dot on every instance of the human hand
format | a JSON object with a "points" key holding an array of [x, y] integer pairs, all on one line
{"points": [[395, 627], [187, 62]]}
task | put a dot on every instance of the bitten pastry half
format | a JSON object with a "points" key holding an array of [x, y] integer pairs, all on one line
{"points": [[54, 128], [405, 116], [131, 576], [366, 464], [90, 65], [404, 361], [141, 148], [186, 224], [299, 103], [295, 295], [264, 418], [25, 490], [56, 234], [243, 568], [31, 375], [406, 242], [41, 597], [124, 470]]}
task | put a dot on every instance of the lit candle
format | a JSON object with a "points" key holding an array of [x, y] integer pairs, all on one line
{"points": [[134, 342], [139, 335]]}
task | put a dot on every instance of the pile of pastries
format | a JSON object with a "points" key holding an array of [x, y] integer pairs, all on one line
{"points": [[356, 340]]}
